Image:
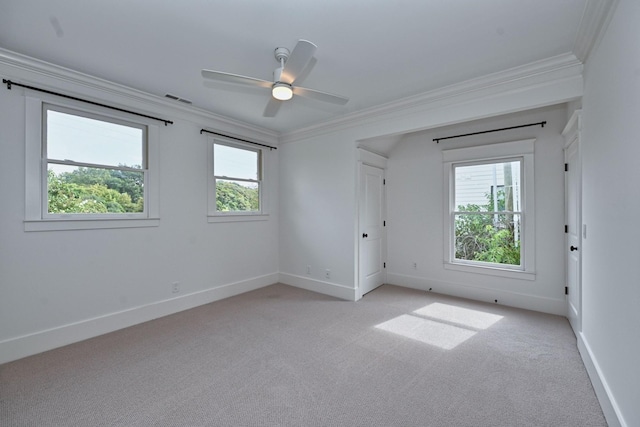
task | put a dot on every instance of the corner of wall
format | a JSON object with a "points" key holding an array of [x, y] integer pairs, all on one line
{"points": [[609, 406], [322, 287]]}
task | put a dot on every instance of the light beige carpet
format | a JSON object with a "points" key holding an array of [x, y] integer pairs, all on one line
{"points": [[282, 356]]}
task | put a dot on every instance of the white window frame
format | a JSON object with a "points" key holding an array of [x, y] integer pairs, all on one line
{"points": [[500, 152], [233, 216], [37, 217]]}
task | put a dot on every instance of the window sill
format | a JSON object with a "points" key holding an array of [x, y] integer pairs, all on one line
{"points": [[237, 217], [492, 271], [88, 224]]}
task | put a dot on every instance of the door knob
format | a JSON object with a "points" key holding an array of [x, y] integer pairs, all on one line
{"points": [[573, 248], [364, 235]]}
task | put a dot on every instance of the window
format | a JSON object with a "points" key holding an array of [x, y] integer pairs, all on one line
{"points": [[88, 170], [94, 165], [489, 204], [486, 221], [235, 182]]}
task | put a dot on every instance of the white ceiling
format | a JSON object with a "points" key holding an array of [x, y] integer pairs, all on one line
{"points": [[372, 51]]}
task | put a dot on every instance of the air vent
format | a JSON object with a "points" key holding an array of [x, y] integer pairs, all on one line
{"points": [[177, 98]]}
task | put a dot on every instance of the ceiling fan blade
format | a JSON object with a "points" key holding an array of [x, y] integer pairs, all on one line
{"points": [[298, 61], [272, 107], [306, 71], [235, 79], [320, 96]]}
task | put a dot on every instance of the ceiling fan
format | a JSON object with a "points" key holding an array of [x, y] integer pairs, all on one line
{"points": [[292, 66]]}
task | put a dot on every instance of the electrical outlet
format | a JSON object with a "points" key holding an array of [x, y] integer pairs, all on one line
{"points": [[415, 265], [175, 287], [327, 274], [308, 269]]}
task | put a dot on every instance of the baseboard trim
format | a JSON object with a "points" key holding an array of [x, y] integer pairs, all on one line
{"points": [[608, 404], [511, 299], [28, 345], [326, 288]]}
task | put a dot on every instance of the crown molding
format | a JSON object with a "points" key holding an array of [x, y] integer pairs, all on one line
{"points": [[35, 72], [536, 73], [595, 18], [573, 123]]}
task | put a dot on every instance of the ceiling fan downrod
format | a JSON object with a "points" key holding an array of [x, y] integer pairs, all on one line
{"points": [[280, 90]]}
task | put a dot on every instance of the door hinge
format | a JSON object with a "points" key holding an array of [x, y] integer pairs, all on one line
{"points": [[566, 290], [384, 223], [566, 228], [384, 181], [566, 167], [384, 265]]}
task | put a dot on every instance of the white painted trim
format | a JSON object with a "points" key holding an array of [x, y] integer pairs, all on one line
{"points": [[542, 77], [33, 163], [36, 219], [89, 224], [27, 345], [326, 288], [212, 219], [491, 270], [213, 215], [370, 158], [594, 22], [610, 408], [573, 125], [479, 293], [153, 174], [489, 151]]}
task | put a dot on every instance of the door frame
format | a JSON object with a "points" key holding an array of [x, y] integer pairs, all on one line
{"points": [[368, 158], [571, 134]]}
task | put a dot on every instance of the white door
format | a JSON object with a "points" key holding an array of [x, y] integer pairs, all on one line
{"points": [[371, 230], [573, 232]]}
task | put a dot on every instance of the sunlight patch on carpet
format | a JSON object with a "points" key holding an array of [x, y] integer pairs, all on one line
{"points": [[427, 331], [462, 316]]}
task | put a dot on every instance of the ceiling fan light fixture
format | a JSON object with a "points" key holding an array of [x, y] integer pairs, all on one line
{"points": [[282, 91]]}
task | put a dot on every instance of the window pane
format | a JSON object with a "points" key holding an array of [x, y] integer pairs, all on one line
{"points": [[488, 237], [493, 187], [84, 140], [235, 162], [94, 190], [237, 196]]}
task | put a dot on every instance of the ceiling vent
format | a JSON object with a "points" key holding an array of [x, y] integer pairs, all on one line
{"points": [[177, 98]]}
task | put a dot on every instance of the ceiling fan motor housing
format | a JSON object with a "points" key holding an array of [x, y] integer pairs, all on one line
{"points": [[281, 54]]}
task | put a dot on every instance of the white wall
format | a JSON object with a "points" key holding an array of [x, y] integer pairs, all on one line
{"points": [[317, 214], [415, 213], [611, 202], [58, 287]]}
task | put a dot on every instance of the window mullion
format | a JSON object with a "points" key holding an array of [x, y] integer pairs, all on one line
{"points": [[93, 165], [487, 212], [229, 178]]}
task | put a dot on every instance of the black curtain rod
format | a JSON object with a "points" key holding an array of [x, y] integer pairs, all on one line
{"points": [[238, 139], [437, 140], [9, 83]]}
